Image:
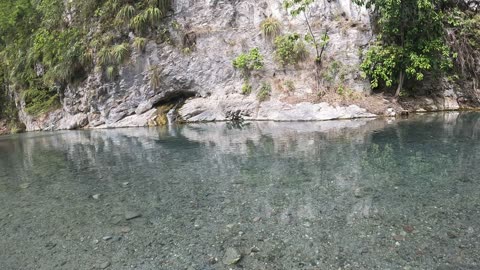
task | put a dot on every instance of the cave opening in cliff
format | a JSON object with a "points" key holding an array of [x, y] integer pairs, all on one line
{"points": [[167, 107], [175, 98]]}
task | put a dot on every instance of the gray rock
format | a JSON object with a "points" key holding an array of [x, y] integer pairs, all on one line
{"points": [[452, 234], [358, 193], [361, 192], [106, 238], [104, 265], [125, 229], [24, 185], [231, 257], [143, 107], [129, 215], [50, 245]]}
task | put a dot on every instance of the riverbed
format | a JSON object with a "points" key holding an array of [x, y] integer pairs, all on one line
{"points": [[350, 194]]}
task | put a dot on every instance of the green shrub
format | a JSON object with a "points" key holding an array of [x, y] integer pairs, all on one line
{"points": [[290, 49], [246, 88], [290, 86], [264, 92], [248, 62], [270, 27], [38, 101], [331, 72]]}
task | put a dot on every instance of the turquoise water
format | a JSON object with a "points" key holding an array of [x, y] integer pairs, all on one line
{"points": [[359, 194]]}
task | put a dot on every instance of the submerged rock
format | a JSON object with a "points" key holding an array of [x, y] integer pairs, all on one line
{"points": [[106, 238], [104, 265], [125, 229], [452, 234], [408, 228], [132, 215], [361, 192], [24, 185], [231, 257]]}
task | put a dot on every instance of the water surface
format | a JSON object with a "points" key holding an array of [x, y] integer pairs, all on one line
{"points": [[359, 194]]}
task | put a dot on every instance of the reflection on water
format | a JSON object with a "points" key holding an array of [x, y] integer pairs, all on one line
{"points": [[360, 194]]}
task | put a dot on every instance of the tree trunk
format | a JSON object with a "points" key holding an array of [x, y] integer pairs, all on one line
{"points": [[401, 79]]}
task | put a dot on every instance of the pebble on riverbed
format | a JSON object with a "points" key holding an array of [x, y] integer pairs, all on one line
{"points": [[24, 185], [129, 215], [232, 256], [104, 265], [408, 228], [125, 229]]}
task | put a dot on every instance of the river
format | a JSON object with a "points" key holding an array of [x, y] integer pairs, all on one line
{"points": [[350, 194]]}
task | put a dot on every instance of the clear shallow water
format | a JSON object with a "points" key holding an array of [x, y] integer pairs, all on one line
{"points": [[363, 194]]}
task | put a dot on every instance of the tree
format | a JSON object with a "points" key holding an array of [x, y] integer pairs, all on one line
{"points": [[297, 7], [410, 42]]}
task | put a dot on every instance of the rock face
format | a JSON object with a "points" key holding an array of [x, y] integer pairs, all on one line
{"points": [[194, 68]]}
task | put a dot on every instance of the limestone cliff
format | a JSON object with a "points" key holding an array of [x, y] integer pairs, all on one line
{"points": [[195, 73]]}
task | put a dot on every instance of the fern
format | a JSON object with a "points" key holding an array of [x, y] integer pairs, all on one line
{"points": [[113, 4], [111, 72], [139, 23], [120, 53], [104, 56], [163, 5], [153, 15], [86, 58], [270, 27], [139, 44], [126, 13]]}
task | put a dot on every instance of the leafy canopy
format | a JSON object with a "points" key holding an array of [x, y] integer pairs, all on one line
{"points": [[410, 41]]}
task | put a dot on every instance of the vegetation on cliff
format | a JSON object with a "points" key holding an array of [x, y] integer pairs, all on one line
{"points": [[46, 45]]}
